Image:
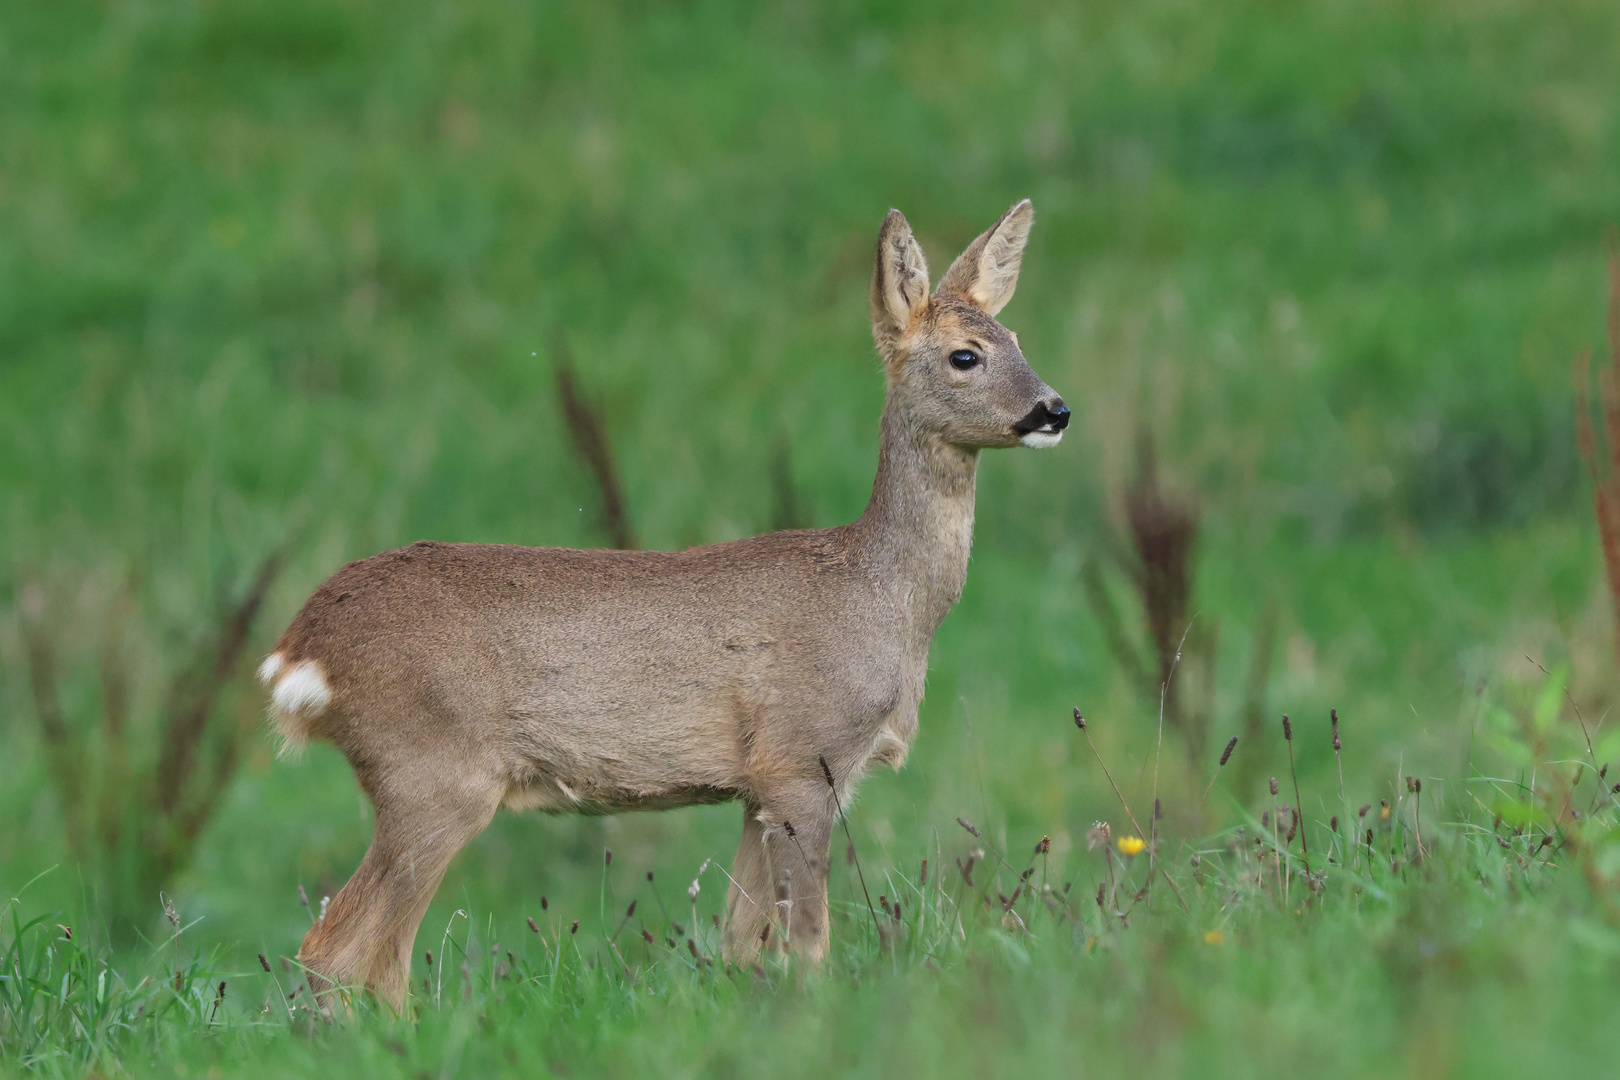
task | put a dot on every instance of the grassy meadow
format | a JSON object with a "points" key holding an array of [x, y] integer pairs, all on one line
{"points": [[296, 278]]}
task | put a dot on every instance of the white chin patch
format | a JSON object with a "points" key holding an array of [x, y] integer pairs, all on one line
{"points": [[1041, 440]]}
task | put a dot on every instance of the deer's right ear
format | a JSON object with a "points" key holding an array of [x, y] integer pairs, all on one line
{"points": [[899, 281]]}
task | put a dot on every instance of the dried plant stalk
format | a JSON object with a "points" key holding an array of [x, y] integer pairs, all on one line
{"points": [[588, 431], [1604, 470]]}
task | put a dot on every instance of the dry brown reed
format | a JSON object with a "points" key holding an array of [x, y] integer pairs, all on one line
{"points": [[135, 816], [587, 430], [1604, 469]]}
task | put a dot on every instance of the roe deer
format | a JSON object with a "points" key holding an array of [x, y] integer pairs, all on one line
{"points": [[458, 678]]}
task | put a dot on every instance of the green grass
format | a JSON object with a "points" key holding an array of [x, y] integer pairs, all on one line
{"points": [[1488, 957], [294, 273]]}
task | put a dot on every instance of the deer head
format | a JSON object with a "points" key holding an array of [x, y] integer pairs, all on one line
{"points": [[954, 372]]}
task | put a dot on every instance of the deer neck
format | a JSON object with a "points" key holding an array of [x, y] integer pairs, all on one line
{"points": [[918, 529]]}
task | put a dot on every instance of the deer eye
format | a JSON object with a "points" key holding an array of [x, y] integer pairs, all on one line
{"points": [[964, 359]]}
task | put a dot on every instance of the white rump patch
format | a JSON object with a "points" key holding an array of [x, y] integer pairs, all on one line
{"points": [[300, 694], [270, 668], [302, 691], [1042, 440]]}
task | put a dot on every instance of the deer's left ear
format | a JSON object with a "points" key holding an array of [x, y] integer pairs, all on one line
{"points": [[986, 273]]}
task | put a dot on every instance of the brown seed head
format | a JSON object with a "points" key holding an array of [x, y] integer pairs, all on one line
{"points": [[826, 772], [533, 926], [544, 903], [968, 825], [607, 856], [1335, 714], [1079, 721], [1364, 808], [1226, 755], [1274, 785], [1044, 846], [575, 928], [263, 962], [1288, 729]]}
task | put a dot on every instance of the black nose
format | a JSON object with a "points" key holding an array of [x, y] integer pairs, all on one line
{"points": [[1043, 416]]}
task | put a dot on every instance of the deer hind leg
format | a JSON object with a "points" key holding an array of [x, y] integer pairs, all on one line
{"points": [[369, 930]]}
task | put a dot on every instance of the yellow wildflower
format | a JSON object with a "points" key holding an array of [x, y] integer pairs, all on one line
{"points": [[1213, 937], [1131, 845]]}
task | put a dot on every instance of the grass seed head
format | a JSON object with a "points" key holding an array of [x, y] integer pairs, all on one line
{"points": [[533, 926], [1274, 785], [1288, 729], [1079, 721], [1226, 755], [1334, 713], [968, 825]]}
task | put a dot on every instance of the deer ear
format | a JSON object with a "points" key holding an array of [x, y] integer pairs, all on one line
{"points": [[899, 280], [986, 273]]}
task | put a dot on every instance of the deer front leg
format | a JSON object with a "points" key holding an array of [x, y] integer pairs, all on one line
{"points": [[778, 895], [798, 847]]}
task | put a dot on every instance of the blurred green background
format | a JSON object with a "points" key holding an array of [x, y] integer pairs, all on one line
{"points": [[296, 273]]}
